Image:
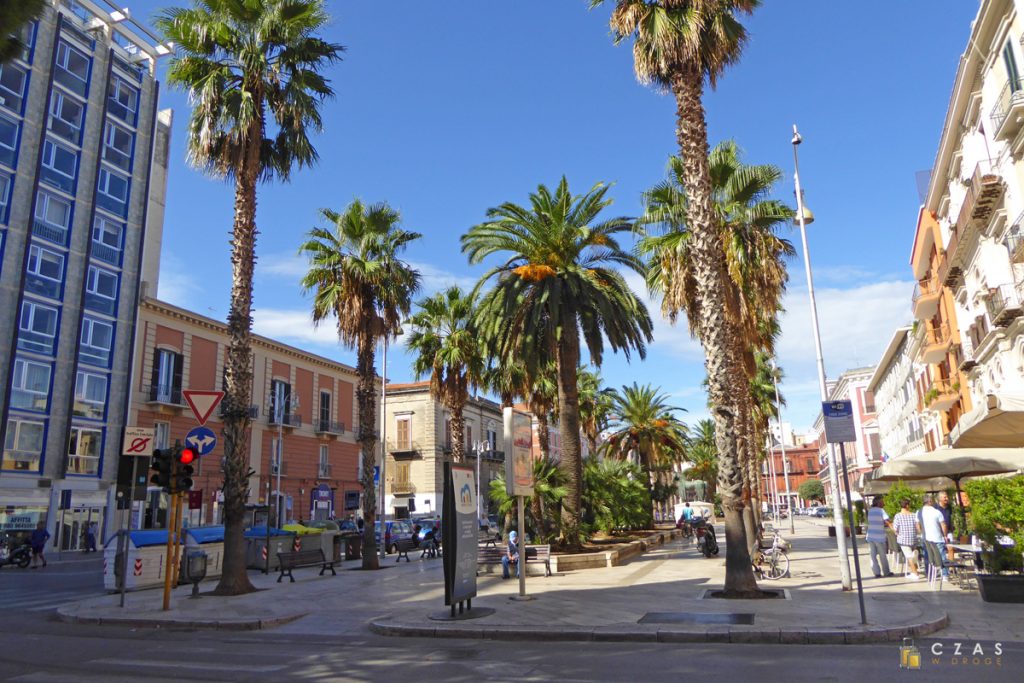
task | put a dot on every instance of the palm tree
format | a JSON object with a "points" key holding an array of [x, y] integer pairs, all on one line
{"points": [[645, 427], [448, 348], [595, 406], [702, 454], [253, 72], [13, 17], [558, 281], [360, 284]]}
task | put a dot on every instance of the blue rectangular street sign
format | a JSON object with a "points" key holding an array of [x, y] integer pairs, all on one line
{"points": [[840, 426]]}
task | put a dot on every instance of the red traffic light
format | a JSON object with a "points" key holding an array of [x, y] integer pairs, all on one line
{"points": [[187, 456]]}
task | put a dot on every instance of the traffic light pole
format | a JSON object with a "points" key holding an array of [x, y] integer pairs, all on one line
{"points": [[178, 538], [124, 535], [171, 522]]}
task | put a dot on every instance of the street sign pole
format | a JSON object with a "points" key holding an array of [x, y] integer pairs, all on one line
{"points": [[853, 534], [123, 534], [521, 548]]}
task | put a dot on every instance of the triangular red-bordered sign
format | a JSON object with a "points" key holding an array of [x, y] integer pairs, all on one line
{"points": [[202, 403]]}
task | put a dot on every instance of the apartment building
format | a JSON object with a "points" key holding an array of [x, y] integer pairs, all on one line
{"points": [[419, 443], [83, 167], [302, 413], [894, 385], [864, 454], [801, 459], [976, 197]]}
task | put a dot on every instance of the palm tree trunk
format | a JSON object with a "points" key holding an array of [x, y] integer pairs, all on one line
{"points": [[713, 323], [366, 398], [458, 426], [543, 434], [568, 360], [234, 579]]}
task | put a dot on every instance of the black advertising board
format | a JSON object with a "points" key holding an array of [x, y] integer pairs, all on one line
{"points": [[459, 532]]}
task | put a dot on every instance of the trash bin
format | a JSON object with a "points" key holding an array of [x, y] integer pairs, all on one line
{"points": [[330, 543], [209, 539], [353, 547], [146, 552], [256, 542]]}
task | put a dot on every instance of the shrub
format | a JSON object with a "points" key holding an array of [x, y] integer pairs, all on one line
{"points": [[997, 509], [812, 489], [898, 492]]}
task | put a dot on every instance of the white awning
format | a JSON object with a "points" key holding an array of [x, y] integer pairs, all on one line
{"points": [[999, 422]]}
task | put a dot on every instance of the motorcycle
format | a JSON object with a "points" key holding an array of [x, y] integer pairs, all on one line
{"points": [[18, 555], [706, 541]]}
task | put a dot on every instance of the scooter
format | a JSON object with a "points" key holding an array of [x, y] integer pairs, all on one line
{"points": [[706, 541], [19, 555]]}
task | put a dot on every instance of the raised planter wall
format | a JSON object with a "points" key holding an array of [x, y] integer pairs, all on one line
{"points": [[610, 558]]}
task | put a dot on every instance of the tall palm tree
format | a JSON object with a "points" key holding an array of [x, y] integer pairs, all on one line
{"points": [[359, 282], [253, 70], [542, 399], [13, 17], [749, 221], [646, 428], [448, 349], [557, 281], [702, 454], [595, 406]]}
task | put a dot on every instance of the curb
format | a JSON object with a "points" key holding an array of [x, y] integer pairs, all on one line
{"points": [[67, 616], [624, 634]]}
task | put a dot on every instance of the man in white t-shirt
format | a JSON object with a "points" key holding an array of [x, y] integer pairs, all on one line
{"points": [[933, 527]]}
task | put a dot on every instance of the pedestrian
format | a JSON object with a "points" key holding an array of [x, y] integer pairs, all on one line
{"points": [[934, 530], [947, 514], [511, 556], [907, 529], [878, 520], [38, 540], [90, 537]]}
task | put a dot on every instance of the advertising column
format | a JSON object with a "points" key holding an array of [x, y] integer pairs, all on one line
{"points": [[519, 477], [460, 529]]}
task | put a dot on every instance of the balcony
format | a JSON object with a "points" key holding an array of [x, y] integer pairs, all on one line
{"points": [[942, 395], [494, 456], [926, 298], [164, 397], [324, 472], [287, 421], [329, 428], [404, 450], [1003, 305], [1015, 240], [950, 274], [254, 411], [937, 342], [985, 190], [274, 468], [400, 488], [1008, 114], [966, 356]]}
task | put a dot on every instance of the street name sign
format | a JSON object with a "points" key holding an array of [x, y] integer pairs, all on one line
{"points": [[839, 423]]}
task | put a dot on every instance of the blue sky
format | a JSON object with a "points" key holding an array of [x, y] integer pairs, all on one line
{"points": [[446, 109]]}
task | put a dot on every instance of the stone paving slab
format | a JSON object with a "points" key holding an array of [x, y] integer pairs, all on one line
{"points": [[602, 604]]}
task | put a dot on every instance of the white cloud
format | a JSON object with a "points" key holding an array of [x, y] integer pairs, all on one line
{"points": [[435, 279], [177, 285], [293, 326], [284, 265]]}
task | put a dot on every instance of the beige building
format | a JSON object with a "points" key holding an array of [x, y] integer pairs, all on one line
{"points": [[419, 443]]}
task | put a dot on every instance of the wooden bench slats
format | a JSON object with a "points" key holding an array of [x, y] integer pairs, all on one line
{"points": [[534, 553], [303, 558]]}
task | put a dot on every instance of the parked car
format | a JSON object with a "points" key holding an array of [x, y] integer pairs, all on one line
{"points": [[427, 525], [347, 526], [322, 524], [396, 529], [820, 511]]}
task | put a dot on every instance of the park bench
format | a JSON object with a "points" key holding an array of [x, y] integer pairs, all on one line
{"points": [[534, 553], [402, 547], [303, 558]]}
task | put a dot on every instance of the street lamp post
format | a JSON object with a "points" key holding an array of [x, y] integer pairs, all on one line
{"points": [[804, 218], [782, 445], [383, 445], [480, 447], [279, 416]]}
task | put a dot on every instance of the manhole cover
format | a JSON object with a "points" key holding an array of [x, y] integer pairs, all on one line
{"points": [[696, 618]]}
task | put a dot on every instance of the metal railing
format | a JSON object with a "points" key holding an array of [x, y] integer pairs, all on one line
{"points": [[937, 334], [1003, 304], [926, 287], [287, 419], [400, 487], [1015, 240], [329, 427], [52, 233], [939, 388], [163, 393], [1012, 93], [274, 465], [324, 471], [254, 411], [983, 189]]}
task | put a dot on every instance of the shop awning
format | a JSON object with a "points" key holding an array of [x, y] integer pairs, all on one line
{"points": [[997, 423]]}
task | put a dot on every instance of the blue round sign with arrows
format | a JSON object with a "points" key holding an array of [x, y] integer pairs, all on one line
{"points": [[201, 439]]}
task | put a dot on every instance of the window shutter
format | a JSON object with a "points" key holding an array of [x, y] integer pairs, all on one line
{"points": [[179, 366], [287, 399], [154, 380]]}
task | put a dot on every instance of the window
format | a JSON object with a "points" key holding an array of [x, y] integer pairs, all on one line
{"points": [[59, 166], [162, 434], [874, 447], [112, 192], [101, 291], [811, 468], [467, 445], [27, 36], [402, 483], [84, 451], [280, 400], [122, 100], [97, 342], [45, 271], [53, 217], [30, 385], [72, 68], [5, 194], [402, 432], [65, 117], [166, 377], [325, 466], [90, 395], [8, 142], [106, 240], [23, 445], [869, 402], [448, 433], [117, 146], [12, 87], [325, 411], [38, 327], [492, 440]]}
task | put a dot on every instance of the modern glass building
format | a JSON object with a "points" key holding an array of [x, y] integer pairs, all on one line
{"points": [[83, 161]]}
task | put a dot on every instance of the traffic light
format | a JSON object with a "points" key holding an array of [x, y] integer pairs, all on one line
{"points": [[164, 466], [183, 470]]}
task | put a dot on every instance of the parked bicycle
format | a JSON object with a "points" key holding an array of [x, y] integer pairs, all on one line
{"points": [[772, 563]]}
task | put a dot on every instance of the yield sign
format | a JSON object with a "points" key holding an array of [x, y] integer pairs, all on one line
{"points": [[202, 403]]}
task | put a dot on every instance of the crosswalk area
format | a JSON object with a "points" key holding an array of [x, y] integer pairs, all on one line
{"points": [[32, 599]]}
